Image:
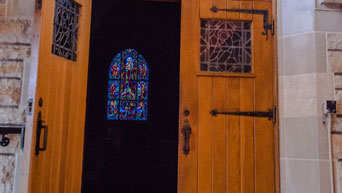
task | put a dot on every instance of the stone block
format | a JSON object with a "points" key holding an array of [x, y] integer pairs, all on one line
{"points": [[336, 141], [2, 7], [325, 21], [300, 96], [11, 69], [10, 91], [302, 176], [338, 176], [320, 52], [300, 138], [14, 50], [334, 61], [338, 2], [339, 107], [12, 115], [20, 8], [324, 176], [297, 17], [334, 41], [299, 54], [338, 82], [336, 123], [338, 95], [15, 30], [7, 168]]}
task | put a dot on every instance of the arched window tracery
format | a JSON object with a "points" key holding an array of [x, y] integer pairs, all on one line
{"points": [[128, 87]]}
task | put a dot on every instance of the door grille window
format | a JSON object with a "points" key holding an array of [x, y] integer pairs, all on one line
{"points": [[128, 87], [226, 46], [65, 29]]}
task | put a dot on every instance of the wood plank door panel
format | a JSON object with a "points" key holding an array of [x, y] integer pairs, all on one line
{"points": [[228, 154], [61, 84]]}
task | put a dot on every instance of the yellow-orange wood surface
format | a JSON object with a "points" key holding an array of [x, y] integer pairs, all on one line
{"points": [[228, 154], [62, 85]]}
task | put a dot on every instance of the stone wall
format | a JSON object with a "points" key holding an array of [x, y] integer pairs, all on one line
{"points": [[15, 51], [331, 3], [309, 66], [334, 53]]}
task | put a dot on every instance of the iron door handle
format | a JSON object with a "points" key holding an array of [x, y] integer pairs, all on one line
{"points": [[40, 127], [186, 131]]}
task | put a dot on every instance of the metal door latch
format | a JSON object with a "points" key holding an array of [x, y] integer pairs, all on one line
{"points": [[186, 131], [270, 114], [40, 126]]}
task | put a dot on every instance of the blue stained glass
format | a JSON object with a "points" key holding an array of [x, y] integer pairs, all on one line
{"points": [[114, 72], [127, 110], [128, 87], [113, 110], [142, 69], [142, 90], [114, 89], [129, 68], [128, 90], [142, 111]]}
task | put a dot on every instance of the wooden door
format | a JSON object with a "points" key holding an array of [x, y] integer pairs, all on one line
{"points": [[228, 153], [61, 86]]}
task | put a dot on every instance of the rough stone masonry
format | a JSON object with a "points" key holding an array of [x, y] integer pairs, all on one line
{"points": [[15, 51]]}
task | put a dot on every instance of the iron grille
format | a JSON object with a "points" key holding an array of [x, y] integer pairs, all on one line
{"points": [[65, 29]]}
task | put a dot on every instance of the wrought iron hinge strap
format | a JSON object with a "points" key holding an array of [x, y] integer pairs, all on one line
{"points": [[267, 26], [270, 114]]}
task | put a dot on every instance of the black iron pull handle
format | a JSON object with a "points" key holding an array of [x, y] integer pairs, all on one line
{"points": [[40, 126], [45, 127], [186, 131]]}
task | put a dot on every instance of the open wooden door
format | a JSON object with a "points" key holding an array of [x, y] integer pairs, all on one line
{"points": [[227, 65], [58, 130]]}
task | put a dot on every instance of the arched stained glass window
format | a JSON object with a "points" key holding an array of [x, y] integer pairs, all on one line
{"points": [[128, 87]]}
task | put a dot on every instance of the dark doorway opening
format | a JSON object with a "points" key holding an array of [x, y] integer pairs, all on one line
{"points": [[133, 156]]}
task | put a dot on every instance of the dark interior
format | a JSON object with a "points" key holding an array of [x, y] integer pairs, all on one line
{"points": [[133, 156]]}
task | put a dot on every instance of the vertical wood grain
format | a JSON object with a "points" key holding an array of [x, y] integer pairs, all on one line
{"points": [[62, 85], [219, 93], [188, 99], [234, 162], [72, 129], [247, 136], [57, 130], [222, 4], [205, 153], [48, 112], [248, 142], [246, 5], [233, 5], [264, 131], [205, 6]]}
